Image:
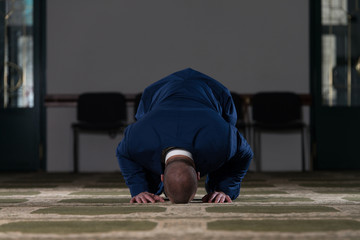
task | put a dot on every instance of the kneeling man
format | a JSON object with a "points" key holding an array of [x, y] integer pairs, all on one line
{"points": [[185, 129]]}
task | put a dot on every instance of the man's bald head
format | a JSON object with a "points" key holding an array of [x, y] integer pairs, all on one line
{"points": [[180, 180]]}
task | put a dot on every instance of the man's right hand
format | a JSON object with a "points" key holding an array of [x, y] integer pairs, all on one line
{"points": [[146, 197]]}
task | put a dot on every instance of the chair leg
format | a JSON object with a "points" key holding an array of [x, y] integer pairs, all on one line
{"points": [[252, 132], [303, 149], [75, 150], [308, 146], [257, 150]]}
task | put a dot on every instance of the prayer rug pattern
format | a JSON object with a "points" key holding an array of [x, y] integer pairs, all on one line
{"points": [[310, 205]]}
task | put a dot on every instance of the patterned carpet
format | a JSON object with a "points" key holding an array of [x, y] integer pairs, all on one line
{"points": [[314, 205]]}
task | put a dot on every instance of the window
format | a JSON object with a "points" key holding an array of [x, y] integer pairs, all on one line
{"points": [[16, 54], [340, 52]]}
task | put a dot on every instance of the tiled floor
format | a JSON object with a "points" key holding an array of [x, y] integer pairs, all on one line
{"points": [[316, 205]]}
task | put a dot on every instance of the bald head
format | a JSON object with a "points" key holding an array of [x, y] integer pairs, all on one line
{"points": [[180, 181]]}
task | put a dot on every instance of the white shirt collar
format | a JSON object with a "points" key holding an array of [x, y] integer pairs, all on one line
{"points": [[178, 152]]}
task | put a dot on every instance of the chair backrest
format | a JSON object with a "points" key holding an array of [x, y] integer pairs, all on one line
{"points": [[239, 105], [101, 108], [276, 107]]}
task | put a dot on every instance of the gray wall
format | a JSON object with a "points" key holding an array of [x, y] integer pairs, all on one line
{"points": [[249, 46]]}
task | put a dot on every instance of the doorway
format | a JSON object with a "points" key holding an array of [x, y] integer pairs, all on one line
{"points": [[335, 69], [22, 89]]}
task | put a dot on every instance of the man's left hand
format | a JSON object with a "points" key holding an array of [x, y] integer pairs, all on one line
{"points": [[146, 197], [216, 197]]}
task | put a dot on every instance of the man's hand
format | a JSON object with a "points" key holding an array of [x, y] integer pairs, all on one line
{"points": [[146, 197], [216, 197]]}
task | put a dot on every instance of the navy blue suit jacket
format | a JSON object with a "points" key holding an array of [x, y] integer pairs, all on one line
{"points": [[192, 111]]}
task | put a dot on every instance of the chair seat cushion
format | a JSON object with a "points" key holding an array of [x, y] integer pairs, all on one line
{"points": [[99, 126], [241, 124], [282, 126]]}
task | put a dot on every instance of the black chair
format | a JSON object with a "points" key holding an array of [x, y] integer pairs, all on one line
{"points": [[98, 113], [276, 112], [242, 114]]}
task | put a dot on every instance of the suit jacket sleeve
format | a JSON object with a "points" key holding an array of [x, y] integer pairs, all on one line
{"points": [[133, 173], [228, 178]]}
